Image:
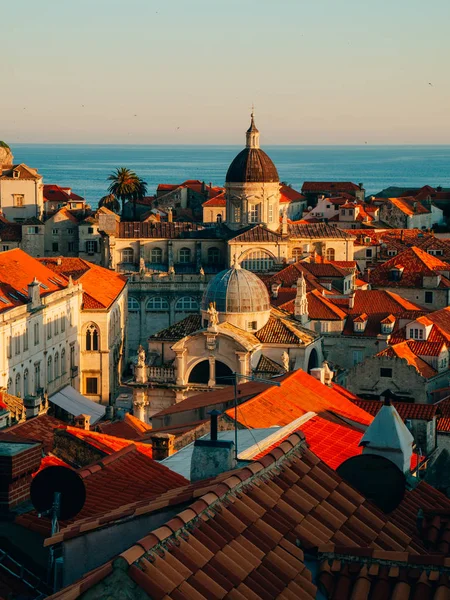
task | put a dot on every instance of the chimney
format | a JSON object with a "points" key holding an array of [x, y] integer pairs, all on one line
{"points": [[318, 373], [18, 460], [59, 261], [328, 374], [351, 298], [163, 445], [82, 422], [34, 294], [169, 215], [274, 289], [389, 437], [212, 457]]}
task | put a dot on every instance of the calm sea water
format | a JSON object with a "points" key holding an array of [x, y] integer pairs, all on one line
{"points": [[85, 168]]}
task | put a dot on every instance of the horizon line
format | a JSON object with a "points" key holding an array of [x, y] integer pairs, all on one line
{"points": [[360, 145]]}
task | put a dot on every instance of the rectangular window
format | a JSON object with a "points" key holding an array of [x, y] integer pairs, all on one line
{"points": [[55, 247], [71, 246], [17, 344], [18, 200], [428, 297], [270, 213], [91, 385], [368, 252], [357, 356], [32, 230], [55, 231], [253, 214], [70, 231], [36, 334], [385, 372], [343, 211], [63, 322], [37, 377], [91, 246], [55, 327], [5, 248], [8, 347], [90, 230], [25, 340], [49, 330], [252, 325]]}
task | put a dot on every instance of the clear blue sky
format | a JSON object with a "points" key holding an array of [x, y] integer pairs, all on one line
{"points": [[318, 71]]}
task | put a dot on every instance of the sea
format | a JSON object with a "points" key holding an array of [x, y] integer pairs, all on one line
{"points": [[85, 168]]}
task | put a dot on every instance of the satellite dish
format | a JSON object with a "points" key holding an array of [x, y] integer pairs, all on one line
{"points": [[52, 481], [377, 478]]}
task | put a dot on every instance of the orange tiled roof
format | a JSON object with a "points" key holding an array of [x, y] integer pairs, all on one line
{"points": [[38, 429], [298, 394], [55, 193], [416, 264], [130, 428], [404, 350], [245, 537], [17, 270], [217, 201], [409, 206], [329, 186], [125, 476], [50, 461], [406, 410], [108, 443], [101, 286], [22, 171], [288, 194]]}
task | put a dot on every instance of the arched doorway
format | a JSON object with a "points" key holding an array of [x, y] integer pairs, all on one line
{"points": [[200, 373], [313, 361]]}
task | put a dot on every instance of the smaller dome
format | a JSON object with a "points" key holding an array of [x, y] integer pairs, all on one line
{"points": [[236, 290]]}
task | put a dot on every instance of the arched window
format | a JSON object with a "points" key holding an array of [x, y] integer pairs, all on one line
{"points": [[185, 255], [128, 255], [9, 386], [186, 303], [133, 304], [330, 254], [49, 369], [219, 218], [156, 255], [157, 304], [92, 338], [213, 256], [26, 382], [18, 391], [297, 254], [57, 365], [63, 361], [258, 260]]}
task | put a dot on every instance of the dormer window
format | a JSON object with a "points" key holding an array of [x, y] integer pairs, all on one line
{"points": [[16, 174], [387, 325], [415, 333], [360, 323], [392, 252], [395, 274]]}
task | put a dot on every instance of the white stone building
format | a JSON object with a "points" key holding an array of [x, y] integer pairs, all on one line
{"points": [[21, 193]]}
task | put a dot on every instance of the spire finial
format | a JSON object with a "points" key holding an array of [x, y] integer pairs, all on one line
{"points": [[252, 133]]}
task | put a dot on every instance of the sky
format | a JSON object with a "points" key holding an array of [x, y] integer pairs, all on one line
{"points": [[188, 72]]}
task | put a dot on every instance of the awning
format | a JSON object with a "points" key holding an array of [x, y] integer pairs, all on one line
{"points": [[76, 404]]}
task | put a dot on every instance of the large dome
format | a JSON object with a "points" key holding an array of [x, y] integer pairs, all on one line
{"points": [[252, 165], [236, 290]]}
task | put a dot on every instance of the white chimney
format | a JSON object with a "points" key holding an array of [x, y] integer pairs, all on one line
{"points": [[274, 288], [318, 373], [389, 437]]}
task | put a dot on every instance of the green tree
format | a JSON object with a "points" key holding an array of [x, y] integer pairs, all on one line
{"points": [[139, 193], [110, 202], [124, 185]]}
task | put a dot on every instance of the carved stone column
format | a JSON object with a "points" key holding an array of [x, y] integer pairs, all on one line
{"points": [[212, 371], [180, 366]]}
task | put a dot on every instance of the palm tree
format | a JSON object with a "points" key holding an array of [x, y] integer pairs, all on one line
{"points": [[139, 193], [124, 185], [110, 202]]}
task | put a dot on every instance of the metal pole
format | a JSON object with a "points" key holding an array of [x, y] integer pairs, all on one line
{"points": [[55, 515], [235, 417]]}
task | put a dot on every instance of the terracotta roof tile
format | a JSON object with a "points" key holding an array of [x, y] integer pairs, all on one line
{"points": [[179, 330], [298, 499], [410, 352], [39, 429], [130, 428]]}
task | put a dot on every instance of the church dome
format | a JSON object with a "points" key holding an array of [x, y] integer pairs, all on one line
{"points": [[236, 290], [252, 165]]}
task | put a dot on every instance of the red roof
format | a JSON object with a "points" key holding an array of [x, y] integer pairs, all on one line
{"points": [[329, 186], [416, 264], [406, 410], [288, 194], [17, 270], [124, 476], [55, 193], [50, 461], [101, 286], [130, 428], [409, 206], [332, 442], [298, 394], [216, 201], [108, 443], [411, 355], [38, 429]]}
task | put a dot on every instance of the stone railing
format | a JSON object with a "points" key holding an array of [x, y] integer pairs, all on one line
{"points": [[161, 374]]}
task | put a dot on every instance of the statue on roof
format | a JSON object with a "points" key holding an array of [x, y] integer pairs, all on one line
{"points": [[285, 360], [213, 317], [141, 356]]}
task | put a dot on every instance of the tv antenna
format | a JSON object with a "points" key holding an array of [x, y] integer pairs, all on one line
{"points": [[58, 493]]}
